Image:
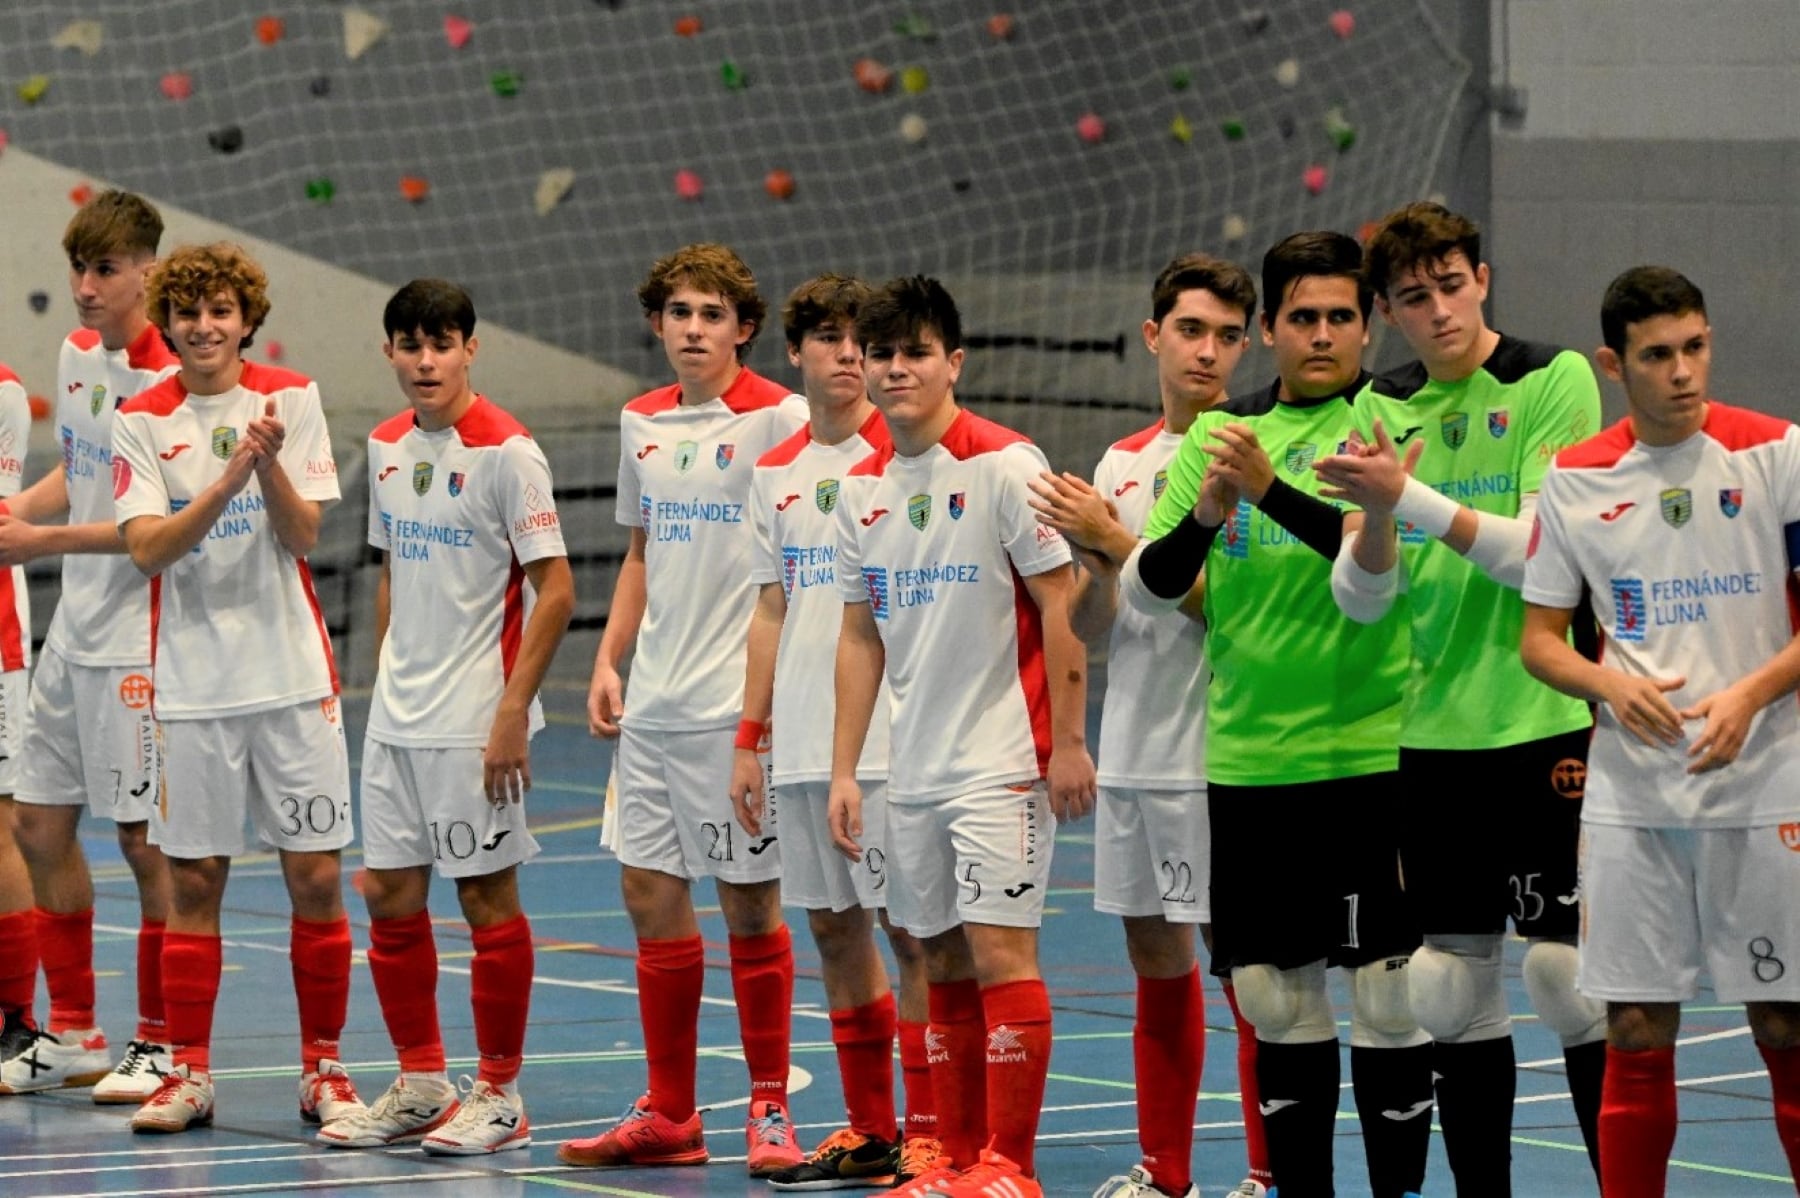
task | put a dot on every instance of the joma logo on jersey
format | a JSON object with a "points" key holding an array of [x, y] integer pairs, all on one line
{"points": [[96, 399], [685, 453], [1455, 429], [1629, 613], [1299, 456], [1677, 506], [918, 511], [826, 495], [421, 477], [1234, 539], [224, 440]]}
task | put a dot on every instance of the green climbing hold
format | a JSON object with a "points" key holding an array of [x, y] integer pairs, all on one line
{"points": [[1180, 78], [506, 84], [731, 75], [1232, 128], [320, 190]]}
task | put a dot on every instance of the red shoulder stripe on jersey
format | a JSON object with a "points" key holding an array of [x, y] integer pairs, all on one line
{"points": [[159, 400], [486, 424], [1136, 441], [750, 391], [391, 430], [264, 379], [876, 463], [971, 436], [7, 376], [784, 453], [874, 430], [149, 351], [1740, 428], [652, 402], [86, 339], [1601, 451]]}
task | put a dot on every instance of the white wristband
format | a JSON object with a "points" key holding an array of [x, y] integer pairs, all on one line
{"points": [[1425, 508]]}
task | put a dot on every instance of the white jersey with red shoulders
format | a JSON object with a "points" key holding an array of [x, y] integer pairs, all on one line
{"points": [[15, 600], [793, 514], [460, 513], [938, 546], [1688, 552], [235, 626], [103, 615], [1153, 719], [684, 478]]}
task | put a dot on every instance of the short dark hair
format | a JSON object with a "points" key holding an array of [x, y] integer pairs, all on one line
{"points": [[430, 306], [820, 300], [113, 222], [906, 308], [1422, 234], [1203, 272], [709, 267], [1318, 253], [1641, 293]]}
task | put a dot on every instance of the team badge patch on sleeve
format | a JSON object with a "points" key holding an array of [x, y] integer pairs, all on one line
{"points": [[224, 440], [421, 477], [1731, 501], [1677, 506]]}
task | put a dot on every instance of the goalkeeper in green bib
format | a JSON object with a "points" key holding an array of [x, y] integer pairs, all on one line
{"points": [[1446, 463]]}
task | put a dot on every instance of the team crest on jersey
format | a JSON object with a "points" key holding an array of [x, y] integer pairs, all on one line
{"points": [[1158, 484], [1498, 420], [96, 399], [918, 510], [224, 440], [1677, 506], [1456, 429], [826, 495], [421, 477], [455, 483], [723, 457], [1731, 501], [1299, 456], [957, 505], [685, 453]]}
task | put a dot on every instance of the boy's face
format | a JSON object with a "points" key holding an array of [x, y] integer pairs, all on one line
{"points": [[1437, 308], [1666, 368], [208, 335], [433, 371], [700, 332], [109, 293], [1197, 345], [830, 362], [911, 382], [1318, 335]]}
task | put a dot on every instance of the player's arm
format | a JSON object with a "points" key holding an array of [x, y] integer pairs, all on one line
{"points": [[1072, 783], [1241, 458], [1639, 704], [766, 619], [1729, 712], [384, 603], [25, 535], [1168, 573], [158, 542], [861, 661], [606, 691], [506, 761], [44, 499], [1090, 523]]}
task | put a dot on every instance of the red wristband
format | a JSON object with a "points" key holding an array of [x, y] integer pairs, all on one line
{"points": [[750, 734]]}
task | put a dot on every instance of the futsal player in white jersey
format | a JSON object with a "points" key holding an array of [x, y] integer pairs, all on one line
{"points": [[220, 476], [19, 1033], [957, 597], [787, 688], [1152, 856], [90, 742], [1683, 523], [683, 599], [460, 505]]}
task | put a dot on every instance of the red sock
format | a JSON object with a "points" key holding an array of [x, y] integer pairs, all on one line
{"points": [[66, 946], [152, 1027], [959, 1068], [403, 962], [762, 981], [500, 989], [669, 975], [1784, 1078], [864, 1037], [1018, 1063], [1256, 1145], [1637, 1122], [18, 961], [915, 1079], [320, 953], [191, 967], [1169, 1047]]}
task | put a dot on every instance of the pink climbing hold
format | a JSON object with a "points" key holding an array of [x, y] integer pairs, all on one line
{"points": [[688, 185], [274, 351], [1343, 23], [1091, 128], [177, 85], [1314, 178], [457, 31]]}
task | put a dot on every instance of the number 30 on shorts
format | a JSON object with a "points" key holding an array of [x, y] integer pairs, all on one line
{"points": [[317, 815]]}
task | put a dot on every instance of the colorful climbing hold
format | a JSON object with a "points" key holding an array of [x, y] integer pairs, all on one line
{"points": [[688, 185], [85, 36], [413, 189], [1180, 79], [1285, 125], [1232, 128], [40, 407], [81, 193], [274, 351], [1256, 21], [1287, 72], [227, 139], [779, 184], [320, 85], [1001, 26], [39, 301], [732, 76], [1313, 178], [961, 185], [458, 31], [177, 85], [270, 30], [914, 80], [3, 141], [320, 190], [915, 26], [1091, 128], [506, 83], [1343, 23], [912, 128], [872, 76], [552, 186], [688, 26], [1339, 129], [33, 89], [1234, 227], [1181, 130], [362, 29]]}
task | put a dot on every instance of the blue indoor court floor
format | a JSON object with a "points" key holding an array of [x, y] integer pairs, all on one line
{"points": [[585, 1062]]}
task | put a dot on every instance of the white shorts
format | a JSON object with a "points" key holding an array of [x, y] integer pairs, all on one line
{"points": [[979, 858], [90, 739], [1153, 853], [427, 807], [13, 722], [1656, 902], [286, 769], [814, 875], [674, 809]]}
